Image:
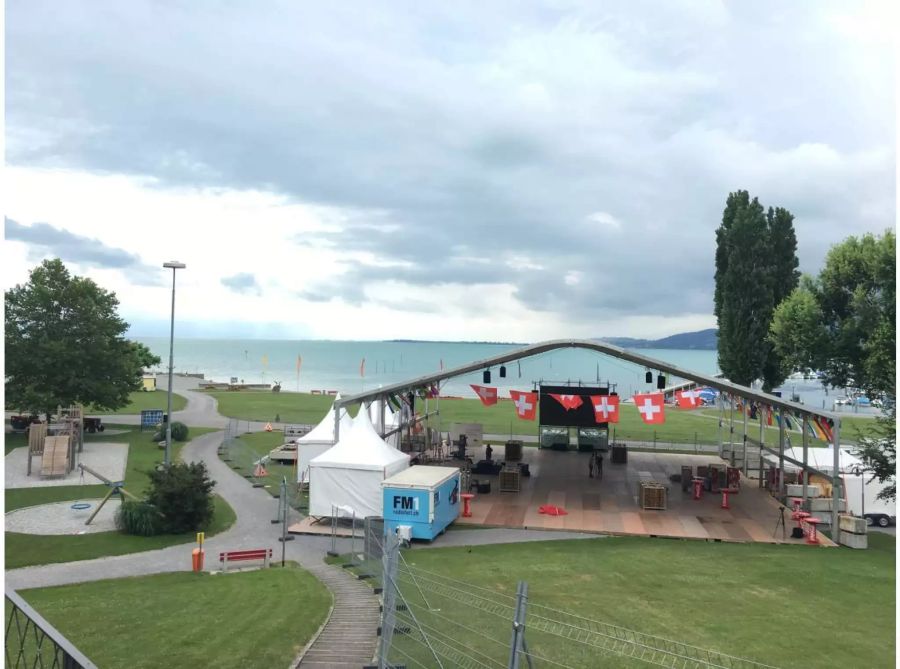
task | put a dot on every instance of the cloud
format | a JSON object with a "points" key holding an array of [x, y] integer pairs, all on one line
{"points": [[481, 147], [242, 283], [45, 240]]}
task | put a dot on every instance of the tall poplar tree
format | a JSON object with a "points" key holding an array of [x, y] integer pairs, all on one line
{"points": [[785, 277], [744, 288]]}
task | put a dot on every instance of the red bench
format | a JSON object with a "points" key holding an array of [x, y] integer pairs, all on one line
{"points": [[264, 554]]}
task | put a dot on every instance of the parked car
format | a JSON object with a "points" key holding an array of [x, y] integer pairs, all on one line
{"points": [[285, 454]]}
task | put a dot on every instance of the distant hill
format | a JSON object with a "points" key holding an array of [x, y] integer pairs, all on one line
{"points": [[704, 340]]}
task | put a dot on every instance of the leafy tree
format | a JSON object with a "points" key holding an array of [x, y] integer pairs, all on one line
{"points": [[844, 323], [756, 267], [878, 450], [64, 344], [785, 276], [743, 288], [182, 492]]}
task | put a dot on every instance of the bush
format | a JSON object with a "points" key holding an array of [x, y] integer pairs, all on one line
{"points": [[139, 518], [179, 432], [183, 495]]}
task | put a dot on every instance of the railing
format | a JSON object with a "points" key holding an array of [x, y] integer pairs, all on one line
{"points": [[33, 642]]}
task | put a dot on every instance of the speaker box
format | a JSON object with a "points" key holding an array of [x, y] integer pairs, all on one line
{"points": [[648, 377], [661, 381], [486, 377], [502, 371]]}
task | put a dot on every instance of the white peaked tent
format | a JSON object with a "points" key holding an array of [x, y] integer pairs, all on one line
{"points": [[317, 441], [349, 474]]}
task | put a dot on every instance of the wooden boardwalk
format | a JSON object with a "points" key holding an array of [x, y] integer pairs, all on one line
{"points": [[349, 638]]}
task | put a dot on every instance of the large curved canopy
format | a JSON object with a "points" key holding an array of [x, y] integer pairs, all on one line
{"points": [[718, 383]]}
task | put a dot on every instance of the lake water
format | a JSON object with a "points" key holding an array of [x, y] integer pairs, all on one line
{"points": [[335, 365]]}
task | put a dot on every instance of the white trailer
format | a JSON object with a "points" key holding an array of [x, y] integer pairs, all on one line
{"points": [[863, 502]]}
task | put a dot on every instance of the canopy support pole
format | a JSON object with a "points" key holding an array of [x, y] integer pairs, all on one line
{"points": [[836, 484]]}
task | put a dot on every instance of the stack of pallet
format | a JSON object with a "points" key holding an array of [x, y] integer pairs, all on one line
{"points": [[510, 479], [652, 495]]}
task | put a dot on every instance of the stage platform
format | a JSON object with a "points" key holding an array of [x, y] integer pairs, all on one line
{"points": [[610, 505]]}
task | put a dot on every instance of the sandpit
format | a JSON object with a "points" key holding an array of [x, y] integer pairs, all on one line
{"points": [[61, 518]]}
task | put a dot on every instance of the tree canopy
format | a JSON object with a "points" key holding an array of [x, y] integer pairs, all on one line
{"points": [[756, 267], [65, 345], [843, 322]]}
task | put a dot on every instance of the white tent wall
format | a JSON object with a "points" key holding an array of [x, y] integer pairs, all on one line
{"points": [[350, 473], [317, 441]]}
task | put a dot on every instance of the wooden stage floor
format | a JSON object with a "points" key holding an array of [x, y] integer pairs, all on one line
{"points": [[610, 505]]}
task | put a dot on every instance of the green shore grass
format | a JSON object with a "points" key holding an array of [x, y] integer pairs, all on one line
{"points": [[189, 620], [787, 606], [681, 427], [24, 550]]}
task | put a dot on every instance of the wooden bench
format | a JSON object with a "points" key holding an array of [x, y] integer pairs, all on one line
{"points": [[264, 554]]}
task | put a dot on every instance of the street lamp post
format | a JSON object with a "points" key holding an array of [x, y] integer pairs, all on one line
{"points": [[174, 265], [862, 507]]}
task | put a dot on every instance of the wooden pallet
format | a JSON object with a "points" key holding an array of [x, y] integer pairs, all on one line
{"points": [[653, 496], [510, 480], [55, 460]]}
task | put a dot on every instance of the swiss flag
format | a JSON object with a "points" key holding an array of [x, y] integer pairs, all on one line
{"points": [[651, 407], [606, 408], [568, 402], [526, 404], [688, 399], [487, 395]]}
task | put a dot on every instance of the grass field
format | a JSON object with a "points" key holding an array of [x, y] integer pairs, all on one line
{"points": [[788, 606], [252, 619], [681, 427], [143, 454], [142, 400]]}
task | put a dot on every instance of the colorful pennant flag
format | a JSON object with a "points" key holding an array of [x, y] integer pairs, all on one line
{"points": [[568, 402], [606, 408], [651, 406], [687, 399], [488, 396], [824, 425], [526, 404]]}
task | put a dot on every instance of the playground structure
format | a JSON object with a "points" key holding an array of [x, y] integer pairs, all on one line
{"points": [[115, 488], [57, 443]]}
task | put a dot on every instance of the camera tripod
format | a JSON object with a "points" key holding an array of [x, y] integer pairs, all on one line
{"points": [[780, 522]]}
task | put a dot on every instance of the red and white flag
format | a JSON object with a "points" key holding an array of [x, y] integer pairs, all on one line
{"points": [[488, 396], [688, 399], [526, 404], [568, 402], [651, 406], [606, 408]]}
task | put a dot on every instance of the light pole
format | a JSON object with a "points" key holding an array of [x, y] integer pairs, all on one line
{"points": [[174, 265], [859, 472]]}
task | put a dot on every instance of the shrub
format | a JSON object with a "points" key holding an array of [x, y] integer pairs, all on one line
{"points": [[139, 518], [179, 432], [183, 494]]}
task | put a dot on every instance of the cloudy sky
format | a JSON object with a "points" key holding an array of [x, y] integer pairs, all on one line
{"points": [[462, 170]]}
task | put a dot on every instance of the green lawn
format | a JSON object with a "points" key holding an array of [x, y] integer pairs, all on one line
{"points": [[681, 427], [788, 606], [252, 619], [143, 454], [142, 400], [247, 448]]}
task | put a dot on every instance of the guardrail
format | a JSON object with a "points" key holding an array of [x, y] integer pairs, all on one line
{"points": [[31, 641]]}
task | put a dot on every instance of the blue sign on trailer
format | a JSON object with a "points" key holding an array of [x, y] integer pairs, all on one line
{"points": [[424, 498]]}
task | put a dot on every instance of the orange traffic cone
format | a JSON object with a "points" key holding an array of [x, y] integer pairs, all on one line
{"points": [[260, 471]]}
